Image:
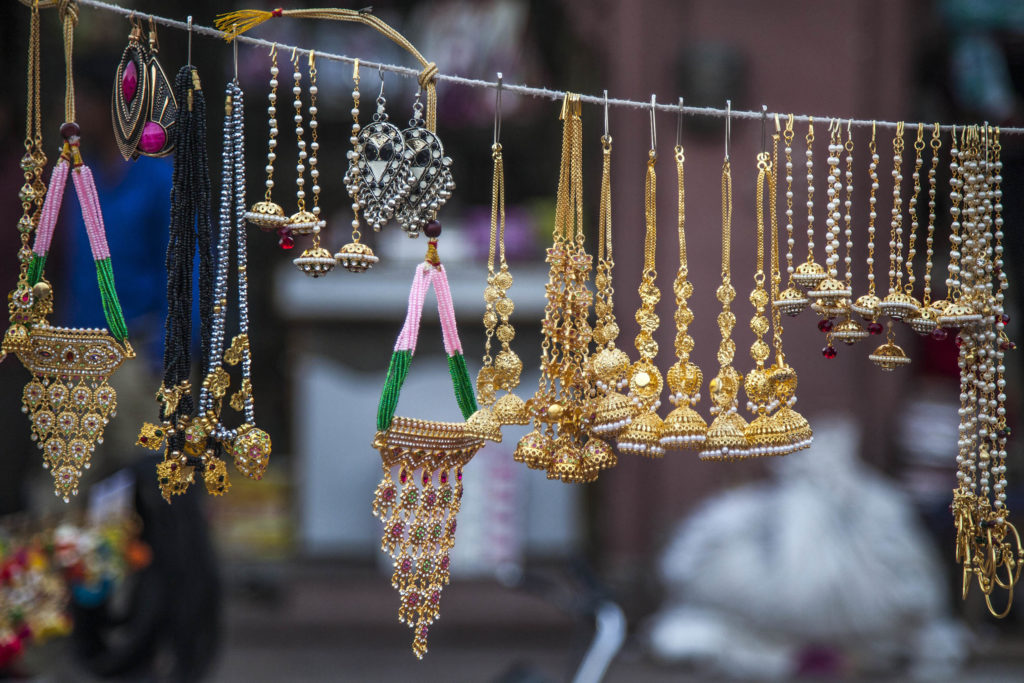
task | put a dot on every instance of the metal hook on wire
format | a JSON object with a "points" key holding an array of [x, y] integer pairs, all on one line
{"points": [[190, 40], [728, 127], [606, 115], [234, 47], [679, 125], [654, 125], [380, 74], [497, 112], [764, 127]]}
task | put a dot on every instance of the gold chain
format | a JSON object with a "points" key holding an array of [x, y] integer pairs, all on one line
{"points": [[847, 217], [914, 222], [896, 224], [788, 136], [810, 190], [936, 143], [776, 275], [873, 209]]}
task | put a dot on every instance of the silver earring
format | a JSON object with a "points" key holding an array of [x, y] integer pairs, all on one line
{"points": [[430, 173]]}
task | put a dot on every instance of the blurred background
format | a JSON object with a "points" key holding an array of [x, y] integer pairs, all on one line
{"points": [[836, 563]]}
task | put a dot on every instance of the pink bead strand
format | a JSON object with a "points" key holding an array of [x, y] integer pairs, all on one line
{"points": [[51, 208]]}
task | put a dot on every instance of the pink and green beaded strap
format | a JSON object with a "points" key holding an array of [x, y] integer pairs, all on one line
{"points": [[85, 188], [398, 369]]}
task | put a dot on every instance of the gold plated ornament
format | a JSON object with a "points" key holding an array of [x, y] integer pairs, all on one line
{"points": [[869, 306], [792, 300], [897, 304], [267, 214], [643, 434], [726, 439], [810, 274], [926, 320], [684, 427]]}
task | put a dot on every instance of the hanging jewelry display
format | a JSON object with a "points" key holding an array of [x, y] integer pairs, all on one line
{"points": [[267, 214], [926, 320], [792, 300], [987, 545], [726, 438], [20, 301], [760, 435], [378, 176], [190, 227], [314, 261], [419, 521], [684, 427], [429, 172], [809, 274], [897, 304], [502, 373], [643, 434], [556, 442], [848, 330], [792, 431], [143, 106], [869, 306], [831, 295], [355, 256]]}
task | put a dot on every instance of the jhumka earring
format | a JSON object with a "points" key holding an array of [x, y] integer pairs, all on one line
{"points": [[831, 295], [355, 257], [303, 221], [143, 108], [849, 331], [315, 261], [726, 438], [897, 304], [267, 214], [926, 320], [556, 442], [791, 430], [378, 177], [684, 427], [419, 521], [503, 372], [68, 399], [761, 439], [869, 306], [809, 274], [792, 300], [608, 365], [643, 434]]}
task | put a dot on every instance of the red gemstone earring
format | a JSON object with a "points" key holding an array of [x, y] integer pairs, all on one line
{"points": [[143, 105]]}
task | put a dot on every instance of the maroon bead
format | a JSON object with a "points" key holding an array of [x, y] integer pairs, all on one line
{"points": [[875, 328], [959, 341], [939, 334], [1006, 319], [286, 241], [825, 325], [70, 130], [432, 229], [1004, 345], [129, 81], [829, 352]]}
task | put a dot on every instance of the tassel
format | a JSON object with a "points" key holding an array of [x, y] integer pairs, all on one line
{"points": [[236, 23]]}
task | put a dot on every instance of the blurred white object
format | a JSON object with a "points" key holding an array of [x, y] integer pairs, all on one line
{"points": [[829, 553]]}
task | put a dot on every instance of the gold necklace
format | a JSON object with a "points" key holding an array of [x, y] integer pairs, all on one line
{"points": [[643, 435], [726, 438], [684, 427]]}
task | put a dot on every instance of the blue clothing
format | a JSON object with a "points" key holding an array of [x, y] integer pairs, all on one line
{"points": [[135, 198]]}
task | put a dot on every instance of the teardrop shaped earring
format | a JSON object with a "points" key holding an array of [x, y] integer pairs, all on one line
{"points": [[355, 257], [129, 101], [315, 261], [161, 111], [268, 215], [428, 172]]}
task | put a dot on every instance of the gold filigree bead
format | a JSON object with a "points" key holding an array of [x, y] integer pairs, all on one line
{"points": [[867, 306], [643, 436], [809, 275], [830, 289], [315, 261], [267, 216], [356, 257], [889, 356], [303, 223], [899, 305], [849, 332], [484, 425], [509, 409], [534, 450]]}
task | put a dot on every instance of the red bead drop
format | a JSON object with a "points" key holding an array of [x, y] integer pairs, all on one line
{"points": [[825, 325], [939, 334], [829, 352], [875, 328]]}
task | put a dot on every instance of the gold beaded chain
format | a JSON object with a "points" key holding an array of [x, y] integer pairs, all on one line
{"points": [[726, 439], [809, 274], [936, 144], [31, 194], [914, 199], [868, 306], [848, 331], [831, 295], [643, 435], [684, 427], [898, 305]]}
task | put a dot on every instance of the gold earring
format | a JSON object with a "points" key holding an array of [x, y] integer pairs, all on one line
{"points": [[809, 274], [897, 304], [268, 215], [869, 306], [830, 296], [726, 438], [849, 331], [643, 435], [926, 321], [684, 427]]}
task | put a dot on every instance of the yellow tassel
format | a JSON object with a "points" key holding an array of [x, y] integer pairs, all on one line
{"points": [[236, 23]]}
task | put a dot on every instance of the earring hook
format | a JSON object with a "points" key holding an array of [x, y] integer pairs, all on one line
{"points": [[606, 115], [190, 40], [380, 73], [654, 125], [234, 48], [154, 42], [497, 112], [728, 127], [679, 125], [764, 124]]}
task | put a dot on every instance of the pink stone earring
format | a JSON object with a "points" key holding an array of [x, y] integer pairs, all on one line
{"points": [[143, 106]]}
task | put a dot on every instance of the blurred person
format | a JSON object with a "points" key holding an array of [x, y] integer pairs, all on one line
{"points": [[823, 570]]}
